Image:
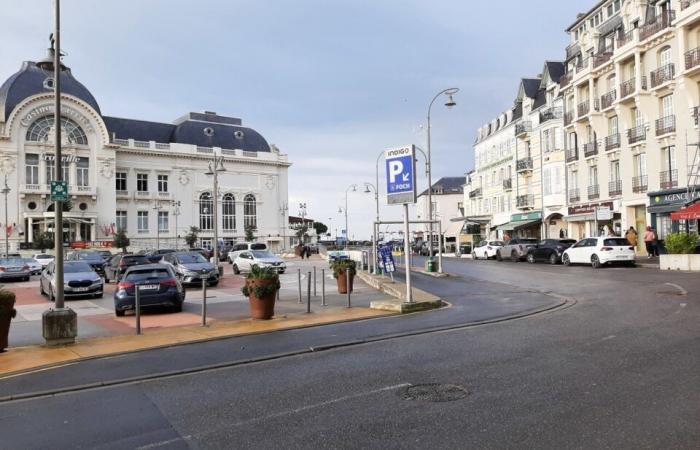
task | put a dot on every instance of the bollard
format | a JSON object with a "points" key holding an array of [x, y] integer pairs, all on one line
{"points": [[314, 281], [138, 309], [347, 274], [278, 294], [323, 287], [204, 300], [299, 279], [308, 293]]}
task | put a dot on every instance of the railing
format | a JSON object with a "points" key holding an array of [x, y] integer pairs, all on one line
{"points": [[628, 87], [602, 58], [615, 188], [508, 184], [666, 125], [590, 149], [637, 134], [662, 75], [161, 146], [565, 80], [582, 65], [574, 195], [612, 142], [523, 127], [524, 164], [640, 184], [583, 108], [568, 118], [142, 144], [32, 187], [120, 141], [669, 179], [164, 194], [249, 154], [475, 193], [525, 201], [625, 38], [657, 24], [122, 193], [685, 4], [551, 114], [593, 192], [692, 58], [607, 99], [571, 155], [143, 194], [201, 149]]}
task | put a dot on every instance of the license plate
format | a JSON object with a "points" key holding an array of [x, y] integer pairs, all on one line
{"points": [[149, 287], [84, 289], [621, 257]]}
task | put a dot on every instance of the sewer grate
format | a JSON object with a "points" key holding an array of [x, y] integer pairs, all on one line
{"points": [[434, 392]]}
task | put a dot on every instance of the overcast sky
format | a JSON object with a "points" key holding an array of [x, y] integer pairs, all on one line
{"points": [[331, 82]]}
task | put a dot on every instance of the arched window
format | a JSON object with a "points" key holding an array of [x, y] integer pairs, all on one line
{"points": [[206, 212], [228, 213], [40, 131], [250, 217]]}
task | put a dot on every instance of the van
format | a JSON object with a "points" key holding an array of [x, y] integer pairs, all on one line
{"points": [[242, 247]]}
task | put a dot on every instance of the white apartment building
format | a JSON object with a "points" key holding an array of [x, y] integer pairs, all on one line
{"points": [[631, 94], [448, 203], [144, 177]]}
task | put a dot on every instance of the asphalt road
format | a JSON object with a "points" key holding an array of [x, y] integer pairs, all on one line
{"points": [[619, 369]]}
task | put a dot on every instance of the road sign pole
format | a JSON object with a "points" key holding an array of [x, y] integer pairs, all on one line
{"points": [[409, 293]]}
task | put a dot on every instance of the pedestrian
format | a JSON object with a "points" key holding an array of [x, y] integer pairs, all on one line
{"points": [[631, 236], [649, 241], [606, 231], [656, 242]]}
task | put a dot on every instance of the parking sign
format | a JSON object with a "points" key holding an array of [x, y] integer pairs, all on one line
{"points": [[400, 175]]}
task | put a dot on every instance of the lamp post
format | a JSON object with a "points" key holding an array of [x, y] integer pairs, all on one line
{"points": [[374, 228], [216, 166], [176, 212], [284, 208], [5, 191], [157, 209], [302, 214], [449, 103], [347, 232]]}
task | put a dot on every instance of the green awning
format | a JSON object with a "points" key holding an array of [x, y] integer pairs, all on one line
{"points": [[518, 224]]}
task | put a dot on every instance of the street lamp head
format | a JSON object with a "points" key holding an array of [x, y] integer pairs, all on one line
{"points": [[450, 102], [340, 210], [367, 191], [210, 171]]}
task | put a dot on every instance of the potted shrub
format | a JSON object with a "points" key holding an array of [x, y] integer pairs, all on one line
{"points": [[340, 268], [261, 286], [7, 313], [681, 248]]}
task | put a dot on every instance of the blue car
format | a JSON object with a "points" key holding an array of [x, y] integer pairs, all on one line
{"points": [[157, 284]]}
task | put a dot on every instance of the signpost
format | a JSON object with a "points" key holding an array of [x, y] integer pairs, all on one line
{"points": [[400, 166], [59, 191]]}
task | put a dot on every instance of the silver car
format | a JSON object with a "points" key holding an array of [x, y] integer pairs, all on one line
{"points": [[35, 266], [79, 280], [14, 268], [247, 259]]}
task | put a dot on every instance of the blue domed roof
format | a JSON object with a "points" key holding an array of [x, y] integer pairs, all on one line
{"points": [[30, 81]]}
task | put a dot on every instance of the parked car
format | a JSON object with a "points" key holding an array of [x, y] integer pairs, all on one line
{"points": [[189, 267], [157, 284], [549, 250], [206, 253], [244, 246], [486, 249], [35, 267], [43, 258], [116, 266], [91, 257], [79, 280], [245, 261], [423, 250], [156, 255], [14, 268], [106, 254], [516, 249], [599, 251]]}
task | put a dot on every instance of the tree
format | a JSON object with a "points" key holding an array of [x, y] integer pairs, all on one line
{"points": [[249, 236], [301, 233], [121, 240], [192, 237], [42, 241], [320, 228]]}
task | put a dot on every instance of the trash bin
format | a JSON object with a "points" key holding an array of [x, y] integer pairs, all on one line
{"points": [[430, 265]]}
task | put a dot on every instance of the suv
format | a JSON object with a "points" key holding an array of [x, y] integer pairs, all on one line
{"points": [[244, 246], [516, 249]]}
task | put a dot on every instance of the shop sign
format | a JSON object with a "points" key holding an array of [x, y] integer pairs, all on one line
{"points": [[674, 198], [589, 208], [604, 213], [526, 216]]}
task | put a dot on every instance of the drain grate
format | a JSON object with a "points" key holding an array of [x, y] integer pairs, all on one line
{"points": [[434, 392]]}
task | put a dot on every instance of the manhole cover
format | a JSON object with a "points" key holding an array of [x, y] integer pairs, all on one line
{"points": [[434, 392]]}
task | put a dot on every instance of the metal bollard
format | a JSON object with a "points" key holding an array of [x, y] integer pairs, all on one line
{"points": [[347, 274], [204, 301], [314, 281], [308, 293], [323, 287], [299, 279], [138, 309]]}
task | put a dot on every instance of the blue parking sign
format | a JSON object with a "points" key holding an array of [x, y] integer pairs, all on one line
{"points": [[400, 175]]}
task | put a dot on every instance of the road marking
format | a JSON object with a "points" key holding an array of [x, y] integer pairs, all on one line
{"points": [[680, 288], [607, 338], [164, 443]]}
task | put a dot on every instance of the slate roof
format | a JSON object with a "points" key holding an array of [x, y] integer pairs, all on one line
{"points": [[449, 185], [531, 86], [556, 70]]}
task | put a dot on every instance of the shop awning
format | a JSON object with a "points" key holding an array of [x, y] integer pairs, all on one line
{"points": [[691, 212], [454, 229], [518, 224]]}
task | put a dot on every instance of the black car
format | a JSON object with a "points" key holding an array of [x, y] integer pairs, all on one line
{"points": [[93, 258], [549, 250], [116, 266], [106, 254], [157, 286], [156, 255]]}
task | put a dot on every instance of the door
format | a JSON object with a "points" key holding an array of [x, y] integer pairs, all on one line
{"points": [[640, 216], [541, 251], [576, 253], [588, 250]]}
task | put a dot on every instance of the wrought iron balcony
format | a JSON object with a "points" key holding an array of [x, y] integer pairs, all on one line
{"points": [[552, 113], [571, 155], [590, 149], [629, 87], [602, 58], [508, 184], [669, 179], [658, 23], [574, 195], [525, 201], [593, 192], [524, 165], [568, 118], [662, 75], [583, 64], [640, 184], [612, 142], [615, 188], [692, 58], [583, 108], [607, 99], [637, 134], [565, 80], [625, 38], [475, 193], [523, 127], [666, 125]]}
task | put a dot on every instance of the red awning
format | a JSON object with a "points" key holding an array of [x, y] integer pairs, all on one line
{"points": [[691, 212]]}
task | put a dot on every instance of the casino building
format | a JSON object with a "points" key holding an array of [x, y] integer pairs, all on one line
{"points": [[145, 177]]}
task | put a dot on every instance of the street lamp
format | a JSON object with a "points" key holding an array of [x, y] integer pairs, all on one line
{"points": [[284, 209], [176, 212], [449, 104], [216, 166], [302, 214], [340, 210], [5, 191]]}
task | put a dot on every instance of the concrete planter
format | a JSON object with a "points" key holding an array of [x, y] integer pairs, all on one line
{"points": [[690, 263]]}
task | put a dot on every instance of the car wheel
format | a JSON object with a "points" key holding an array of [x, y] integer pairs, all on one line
{"points": [[514, 256], [236, 270], [565, 259], [595, 262], [531, 258], [553, 259], [178, 307], [26, 278], [632, 264], [498, 256], [119, 313]]}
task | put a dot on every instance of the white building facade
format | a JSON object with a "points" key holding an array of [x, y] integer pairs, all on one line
{"points": [[448, 203]]}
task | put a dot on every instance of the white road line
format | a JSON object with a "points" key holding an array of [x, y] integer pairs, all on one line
{"points": [[164, 443], [680, 288]]}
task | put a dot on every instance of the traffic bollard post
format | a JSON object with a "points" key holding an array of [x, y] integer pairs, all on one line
{"points": [[323, 287], [204, 300], [299, 279], [308, 293], [347, 274], [138, 309], [314, 281]]}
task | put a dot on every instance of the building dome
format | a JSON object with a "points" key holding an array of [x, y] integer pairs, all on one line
{"points": [[33, 79]]}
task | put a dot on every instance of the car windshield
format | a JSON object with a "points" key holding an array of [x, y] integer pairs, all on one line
{"points": [[89, 256], [191, 258], [261, 255], [618, 242], [496, 243], [76, 267], [567, 241], [258, 247], [149, 274], [43, 257], [28, 261], [134, 259]]}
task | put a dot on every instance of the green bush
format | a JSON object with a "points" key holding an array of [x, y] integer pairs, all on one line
{"points": [[262, 273], [339, 266], [681, 243]]}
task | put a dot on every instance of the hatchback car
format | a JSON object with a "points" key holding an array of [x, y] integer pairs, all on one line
{"points": [[600, 251], [486, 249], [79, 280], [549, 250], [35, 267], [43, 258], [13, 269], [245, 261], [157, 285], [116, 266], [191, 267], [236, 249], [95, 259], [106, 254]]}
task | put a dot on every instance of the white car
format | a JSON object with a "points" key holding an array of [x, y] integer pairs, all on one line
{"points": [[599, 251], [486, 249], [245, 260], [43, 258]]}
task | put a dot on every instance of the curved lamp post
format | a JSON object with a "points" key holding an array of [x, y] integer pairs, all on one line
{"points": [[352, 187]]}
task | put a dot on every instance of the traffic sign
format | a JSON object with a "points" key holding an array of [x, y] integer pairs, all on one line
{"points": [[400, 175], [59, 191]]}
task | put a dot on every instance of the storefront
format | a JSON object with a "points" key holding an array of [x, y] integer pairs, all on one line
{"points": [[527, 225], [592, 219], [663, 203]]}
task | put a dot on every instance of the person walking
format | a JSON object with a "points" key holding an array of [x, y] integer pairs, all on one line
{"points": [[649, 237], [631, 236], [655, 247]]}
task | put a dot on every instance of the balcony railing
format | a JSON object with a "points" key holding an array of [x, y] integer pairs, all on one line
{"points": [[607, 99], [637, 134], [565, 80], [568, 118], [602, 58], [696, 115], [523, 127], [612, 142], [508, 184], [640, 184], [685, 4], [583, 108], [593, 192], [552, 113], [475, 193], [590, 149], [574, 195], [524, 165], [122, 193], [692, 58], [142, 194], [583, 64], [571, 155], [669, 179], [615, 188], [658, 23], [525, 201], [629, 87], [662, 75], [625, 38], [666, 125]]}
